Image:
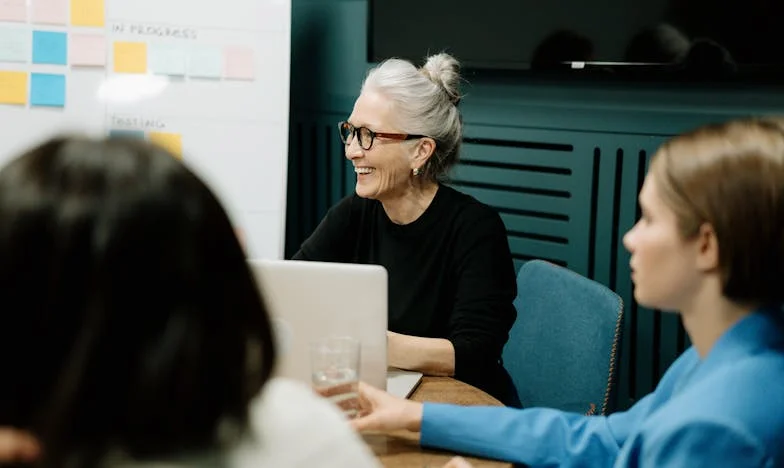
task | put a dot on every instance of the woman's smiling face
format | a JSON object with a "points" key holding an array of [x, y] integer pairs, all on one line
{"points": [[384, 170]]}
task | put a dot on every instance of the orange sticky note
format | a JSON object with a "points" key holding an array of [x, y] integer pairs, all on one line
{"points": [[87, 13], [168, 141], [13, 87], [130, 57]]}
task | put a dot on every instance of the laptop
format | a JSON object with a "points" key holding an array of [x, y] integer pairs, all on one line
{"points": [[310, 300]]}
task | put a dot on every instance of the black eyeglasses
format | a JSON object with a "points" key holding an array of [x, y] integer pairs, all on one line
{"points": [[367, 136]]}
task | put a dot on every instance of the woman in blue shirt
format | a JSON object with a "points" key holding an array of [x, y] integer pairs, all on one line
{"points": [[709, 245]]}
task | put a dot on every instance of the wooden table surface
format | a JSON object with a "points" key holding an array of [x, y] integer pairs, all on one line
{"points": [[402, 449]]}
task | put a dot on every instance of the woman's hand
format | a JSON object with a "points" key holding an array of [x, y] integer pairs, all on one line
{"points": [[17, 446], [383, 412]]}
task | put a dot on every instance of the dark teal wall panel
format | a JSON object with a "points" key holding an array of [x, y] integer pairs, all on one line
{"points": [[534, 225], [479, 153], [509, 200], [510, 177]]}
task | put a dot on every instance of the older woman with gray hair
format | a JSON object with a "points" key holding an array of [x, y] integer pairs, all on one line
{"points": [[451, 275]]}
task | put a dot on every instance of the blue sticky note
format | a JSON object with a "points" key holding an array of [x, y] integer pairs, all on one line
{"points": [[47, 90], [135, 134], [50, 47]]}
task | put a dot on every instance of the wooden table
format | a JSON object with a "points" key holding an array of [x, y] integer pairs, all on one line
{"points": [[402, 449]]}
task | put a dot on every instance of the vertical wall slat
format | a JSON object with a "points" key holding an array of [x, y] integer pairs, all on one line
{"points": [[321, 165], [605, 204], [626, 199], [293, 207], [669, 347]]}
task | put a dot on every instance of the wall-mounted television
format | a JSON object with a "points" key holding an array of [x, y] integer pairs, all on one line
{"points": [[711, 39]]}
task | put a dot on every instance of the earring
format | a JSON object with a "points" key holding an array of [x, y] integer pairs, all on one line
{"points": [[416, 171]]}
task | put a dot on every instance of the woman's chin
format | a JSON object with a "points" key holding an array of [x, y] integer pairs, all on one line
{"points": [[365, 191], [645, 300]]}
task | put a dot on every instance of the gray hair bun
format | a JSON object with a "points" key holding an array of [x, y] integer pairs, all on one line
{"points": [[444, 70]]}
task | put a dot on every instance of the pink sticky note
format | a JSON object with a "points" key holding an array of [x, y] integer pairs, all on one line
{"points": [[238, 63], [13, 10], [50, 11], [87, 50]]}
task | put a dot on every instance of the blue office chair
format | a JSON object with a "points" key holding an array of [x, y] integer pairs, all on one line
{"points": [[563, 348]]}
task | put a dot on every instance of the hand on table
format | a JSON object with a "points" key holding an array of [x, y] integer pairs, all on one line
{"points": [[381, 411], [17, 446], [343, 396]]}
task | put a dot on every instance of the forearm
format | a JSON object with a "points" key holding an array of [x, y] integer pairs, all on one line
{"points": [[535, 436], [431, 356], [539, 437]]}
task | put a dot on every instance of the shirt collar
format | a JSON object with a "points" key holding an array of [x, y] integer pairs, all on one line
{"points": [[760, 330]]}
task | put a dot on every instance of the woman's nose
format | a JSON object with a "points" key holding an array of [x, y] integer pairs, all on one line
{"points": [[353, 149], [628, 239]]}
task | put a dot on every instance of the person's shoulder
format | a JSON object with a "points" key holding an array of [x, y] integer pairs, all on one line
{"points": [[683, 364], [677, 436], [470, 215], [467, 205], [743, 390], [733, 402], [292, 426], [293, 401]]}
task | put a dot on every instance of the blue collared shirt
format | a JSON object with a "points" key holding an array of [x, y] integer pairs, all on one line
{"points": [[724, 410]]}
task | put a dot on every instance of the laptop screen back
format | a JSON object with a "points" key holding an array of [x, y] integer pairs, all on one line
{"points": [[310, 300]]}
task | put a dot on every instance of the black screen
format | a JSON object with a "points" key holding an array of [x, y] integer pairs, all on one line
{"points": [[528, 34]]}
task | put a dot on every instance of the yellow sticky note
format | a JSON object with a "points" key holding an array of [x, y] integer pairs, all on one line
{"points": [[13, 87], [168, 141], [130, 57], [87, 13]]}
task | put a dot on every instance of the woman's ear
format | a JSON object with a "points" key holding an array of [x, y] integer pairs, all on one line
{"points": [[707, 248], [424, 149]]}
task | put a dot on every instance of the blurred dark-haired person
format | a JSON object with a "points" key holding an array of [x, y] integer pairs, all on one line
{"points": [[132, 329]]}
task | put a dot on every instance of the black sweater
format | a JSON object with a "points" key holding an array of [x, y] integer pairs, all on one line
{"points": [[450, 273]]}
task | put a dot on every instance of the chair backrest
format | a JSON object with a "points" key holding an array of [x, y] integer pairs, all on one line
{"points": [[563, 348]]}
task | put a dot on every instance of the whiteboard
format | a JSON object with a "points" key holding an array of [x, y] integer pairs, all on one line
{"points": [[208, 80]]}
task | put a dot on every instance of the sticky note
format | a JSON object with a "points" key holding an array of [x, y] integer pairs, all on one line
{"points": [[120, 133], [87, 13], [205, 62], [13, 87], [50, 47], [47, 90], [49, 11], [13, 10], [88, 50], [14, 44], [169, 141], [130, 57], [238, 63], [167, 59]]}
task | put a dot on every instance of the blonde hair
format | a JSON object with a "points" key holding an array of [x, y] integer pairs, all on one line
{"points": [[731, 176]]}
